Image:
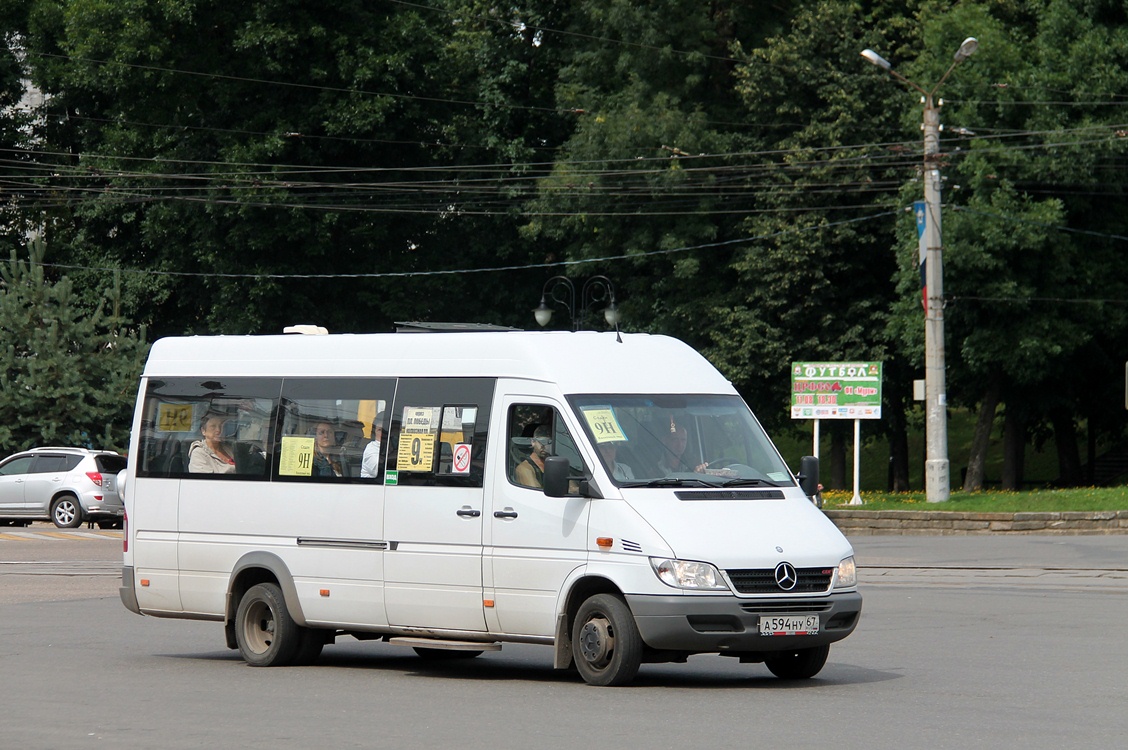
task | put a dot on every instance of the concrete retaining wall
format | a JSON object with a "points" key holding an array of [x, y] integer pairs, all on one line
{"points": [[870, 522]]}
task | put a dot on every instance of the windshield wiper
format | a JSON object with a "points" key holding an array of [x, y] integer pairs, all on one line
{"points": [[672, 482], [749, 482]]}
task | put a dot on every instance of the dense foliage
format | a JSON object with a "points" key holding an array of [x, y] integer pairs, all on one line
{"points": [[736, 169], [68, 373]]}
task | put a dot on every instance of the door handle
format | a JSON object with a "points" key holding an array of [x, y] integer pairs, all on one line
{"points": [[468, 512], [507, 513]]}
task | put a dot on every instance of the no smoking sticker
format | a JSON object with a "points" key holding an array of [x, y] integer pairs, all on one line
{"points": [[461, 464]]}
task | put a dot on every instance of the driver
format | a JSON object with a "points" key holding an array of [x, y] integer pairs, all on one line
{"points": [[673, 455]]}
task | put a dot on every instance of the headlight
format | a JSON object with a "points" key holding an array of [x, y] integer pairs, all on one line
{"points": [[847, 574], [686, 574]]}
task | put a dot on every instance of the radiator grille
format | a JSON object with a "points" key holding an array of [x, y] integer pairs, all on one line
{"points": [[762, 580]]}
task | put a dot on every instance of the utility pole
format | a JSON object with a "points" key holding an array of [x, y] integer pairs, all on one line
{"points": [[937, 483]]}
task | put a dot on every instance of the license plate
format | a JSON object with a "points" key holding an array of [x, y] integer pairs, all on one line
{"points": [[790, 625]]}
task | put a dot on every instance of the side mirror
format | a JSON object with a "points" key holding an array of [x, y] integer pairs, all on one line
{"points": [[809, 475], [556, 472]]}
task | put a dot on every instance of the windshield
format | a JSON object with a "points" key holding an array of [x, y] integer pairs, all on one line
{"points": [[676, 440]]}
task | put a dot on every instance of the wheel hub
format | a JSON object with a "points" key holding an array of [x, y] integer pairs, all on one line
{"points": [[596, 641]]}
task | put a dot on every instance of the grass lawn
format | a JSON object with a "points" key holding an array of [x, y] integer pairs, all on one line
{"points": [[1037, 501]]}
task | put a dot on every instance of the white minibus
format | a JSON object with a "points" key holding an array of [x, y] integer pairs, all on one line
{"points": [[609, 496]]}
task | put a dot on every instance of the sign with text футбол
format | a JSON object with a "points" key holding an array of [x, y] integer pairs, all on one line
{"points": [[836, 390]]}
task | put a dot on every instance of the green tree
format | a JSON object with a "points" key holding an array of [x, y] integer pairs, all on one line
{"points": [[68, 375], [1033, 232]]}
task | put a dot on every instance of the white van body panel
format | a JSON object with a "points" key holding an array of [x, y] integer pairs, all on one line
{"points": [[752, 529]]}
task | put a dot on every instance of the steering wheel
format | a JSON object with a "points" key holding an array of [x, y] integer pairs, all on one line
{"points": [[720, 463]]}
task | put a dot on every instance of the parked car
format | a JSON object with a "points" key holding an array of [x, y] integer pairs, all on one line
{"points": [[64, 485]]}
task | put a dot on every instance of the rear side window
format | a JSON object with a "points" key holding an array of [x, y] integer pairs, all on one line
{"points": [[52, 464], [208, 427], [332, 429]]}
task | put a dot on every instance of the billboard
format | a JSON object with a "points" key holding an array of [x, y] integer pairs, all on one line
{"points": [[836, 390]]}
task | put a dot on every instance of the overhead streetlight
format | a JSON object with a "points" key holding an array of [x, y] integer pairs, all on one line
{"points": [[936, 466], [561, 291]]}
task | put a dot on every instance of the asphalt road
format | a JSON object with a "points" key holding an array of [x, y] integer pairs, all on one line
{"points": [[965, 642]]}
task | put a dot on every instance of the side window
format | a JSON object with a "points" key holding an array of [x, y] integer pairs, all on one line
{"points": [[333, 429], [438, 431], [49, 464], [208, 428], [17, 466], [535, 431]]}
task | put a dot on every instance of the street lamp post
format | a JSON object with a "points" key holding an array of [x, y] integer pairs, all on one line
{"points": [[936, 467], [561, 291]]}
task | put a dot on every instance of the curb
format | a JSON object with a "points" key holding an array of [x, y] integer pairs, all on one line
{"points": [[932, 522]]}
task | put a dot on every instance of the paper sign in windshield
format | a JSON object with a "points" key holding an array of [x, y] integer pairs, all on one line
{"points": [[604, 427]]}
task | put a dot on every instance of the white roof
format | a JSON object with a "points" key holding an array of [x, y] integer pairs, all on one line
{"points": [[580, 362]]}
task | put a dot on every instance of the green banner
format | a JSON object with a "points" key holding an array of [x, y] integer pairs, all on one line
{"points": [[836, 390]]}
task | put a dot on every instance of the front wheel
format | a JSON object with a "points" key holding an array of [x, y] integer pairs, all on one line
{"points": [[66, 512], [606, 645], [800, 664], [266, 633]]}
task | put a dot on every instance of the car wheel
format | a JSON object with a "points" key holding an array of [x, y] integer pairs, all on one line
{"points": [[264, 630], [66, 512], [606, 645], [800, 664]]}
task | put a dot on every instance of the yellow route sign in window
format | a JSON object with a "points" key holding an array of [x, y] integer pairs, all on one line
{"points": [[604, 426], [296, 459], [418, 433], [174, 417]]}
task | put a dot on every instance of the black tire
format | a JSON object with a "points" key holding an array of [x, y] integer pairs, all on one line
{"points": [[266, 633], [66, 512], [800, 664], [606, 645], [310, 643], [444, 654]]}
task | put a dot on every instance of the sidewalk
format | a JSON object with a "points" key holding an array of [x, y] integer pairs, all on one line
{"points": [[913, 522]]}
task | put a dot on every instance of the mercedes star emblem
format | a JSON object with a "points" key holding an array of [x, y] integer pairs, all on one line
{"points": [[785, 576]]}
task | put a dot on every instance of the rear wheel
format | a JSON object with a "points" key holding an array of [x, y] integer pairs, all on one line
{"points": [[606, 645], [66, 512], [800, 664], [266, 633]]}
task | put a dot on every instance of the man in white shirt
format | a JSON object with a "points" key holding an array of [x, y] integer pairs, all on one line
{"points": [[370, 461]]}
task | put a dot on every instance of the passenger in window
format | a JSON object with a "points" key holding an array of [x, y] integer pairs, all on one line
{"points": [[370, 462], [673, 454], [211, 455], [530, 472], [327, 459], [619, 471]]}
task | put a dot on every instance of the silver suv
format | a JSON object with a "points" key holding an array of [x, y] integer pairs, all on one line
{"points": [[64, 485]]}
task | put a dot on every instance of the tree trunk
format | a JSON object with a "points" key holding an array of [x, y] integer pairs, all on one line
{"points": [[1014, 450], [898, 447], [837, 456], [977, 460], [1091, 450], [1065, 437]]}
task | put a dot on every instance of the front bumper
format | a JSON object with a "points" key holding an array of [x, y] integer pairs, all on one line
{"points": [[719, 624]]}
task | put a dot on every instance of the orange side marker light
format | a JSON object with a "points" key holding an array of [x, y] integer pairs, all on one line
{"points": [[604, 542]]}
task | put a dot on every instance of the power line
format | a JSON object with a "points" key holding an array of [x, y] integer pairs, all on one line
{"points": [[494, 269]]}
